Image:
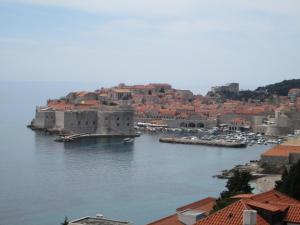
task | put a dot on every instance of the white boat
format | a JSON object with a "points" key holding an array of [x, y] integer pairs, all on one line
{"points": [[128, 140]]}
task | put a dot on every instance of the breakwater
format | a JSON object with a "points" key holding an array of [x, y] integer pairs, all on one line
{"points": [[74, 137], [217, 143]]}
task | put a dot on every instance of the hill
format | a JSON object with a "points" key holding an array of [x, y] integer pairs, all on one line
{"points": [[281, 88], [264, 93]]}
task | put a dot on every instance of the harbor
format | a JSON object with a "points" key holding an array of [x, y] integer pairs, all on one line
{"points": [[103, 169], [197, 141]]}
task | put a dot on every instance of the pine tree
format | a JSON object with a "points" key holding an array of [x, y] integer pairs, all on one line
{"points": [[290, 182], [237, 184]]}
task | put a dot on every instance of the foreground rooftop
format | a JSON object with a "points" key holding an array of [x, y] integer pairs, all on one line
{"points": [[272, 207], [97, 221], [267, 208]]}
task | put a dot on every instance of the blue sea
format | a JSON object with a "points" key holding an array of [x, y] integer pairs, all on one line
{"points": [[42, 181]]}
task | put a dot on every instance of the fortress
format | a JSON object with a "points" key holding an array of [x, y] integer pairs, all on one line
{"points": [[84, 114], [107, 120]]}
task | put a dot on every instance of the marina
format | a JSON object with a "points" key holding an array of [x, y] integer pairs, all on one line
{"points": [[215, 134], [196, 141]]}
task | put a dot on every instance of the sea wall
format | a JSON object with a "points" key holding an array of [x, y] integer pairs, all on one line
{"points": [[44, 119], [60, 120], [276, 161], [115, 122], [80, 121]]}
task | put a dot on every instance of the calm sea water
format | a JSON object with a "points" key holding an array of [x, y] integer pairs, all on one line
{"points": [[42, 181]]}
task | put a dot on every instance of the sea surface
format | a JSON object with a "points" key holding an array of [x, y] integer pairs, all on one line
{"points": [[42, 181]]}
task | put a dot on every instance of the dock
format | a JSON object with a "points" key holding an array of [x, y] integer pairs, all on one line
{"points": [[216, 143], [74, 137]]}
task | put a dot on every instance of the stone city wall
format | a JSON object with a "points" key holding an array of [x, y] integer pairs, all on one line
{"points": [[274, 160], [115, 122], [44, 119], [80, 122]]}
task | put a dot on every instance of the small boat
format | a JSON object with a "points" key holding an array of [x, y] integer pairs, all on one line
{"points": [[128, 140]]}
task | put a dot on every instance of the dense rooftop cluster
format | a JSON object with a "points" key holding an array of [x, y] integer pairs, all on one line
{"points": [[161, 101], [270, 207]]}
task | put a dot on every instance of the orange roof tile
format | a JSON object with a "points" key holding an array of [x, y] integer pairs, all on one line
{"points": [[205, 204], [268, 207], [240, 196], [232, 214], [282, 150], [274, 196], [272, 201], [293, 214]]}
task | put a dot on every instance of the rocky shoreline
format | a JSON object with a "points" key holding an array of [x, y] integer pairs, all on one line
{"points": [[253, 167]]}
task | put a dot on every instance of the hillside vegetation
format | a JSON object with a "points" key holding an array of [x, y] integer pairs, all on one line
{"points": [[281, 88]]}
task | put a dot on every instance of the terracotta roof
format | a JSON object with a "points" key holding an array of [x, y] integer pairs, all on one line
{"points": [[274, 196], [282, 150], [240, 196], [272, 201], [268, 207], [282, 206], [293, 214], [205, 204], [232, 214]]}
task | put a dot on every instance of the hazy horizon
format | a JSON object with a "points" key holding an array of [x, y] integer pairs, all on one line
{"points": [[92, 86], [189, 44]]}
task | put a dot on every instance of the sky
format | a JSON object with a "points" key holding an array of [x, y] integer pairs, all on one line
{"points": [[187, 43]]}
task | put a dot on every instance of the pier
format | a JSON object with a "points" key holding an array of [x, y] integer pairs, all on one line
{"points": [[217, 143], [74, 137]]}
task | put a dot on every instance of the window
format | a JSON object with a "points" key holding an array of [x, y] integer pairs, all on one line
{"points": [[128, 124], [118, 124], [106, 118], [127, 118], [118, 118], [86, 122], [78, 122], [94, 122]]}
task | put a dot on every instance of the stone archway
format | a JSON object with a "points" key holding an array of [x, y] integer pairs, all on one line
{"points": [[200, 125], [192, 125]]}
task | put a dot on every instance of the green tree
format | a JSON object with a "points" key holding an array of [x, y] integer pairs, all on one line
{"points": [[66, 221], [237, 184], [290, 182]]}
